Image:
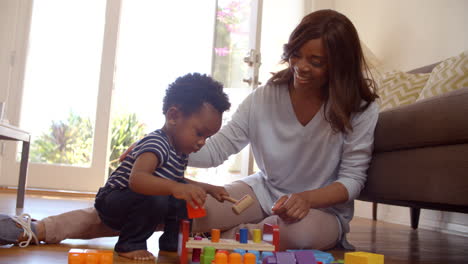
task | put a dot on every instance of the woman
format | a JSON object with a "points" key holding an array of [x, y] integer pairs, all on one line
{"points": [[311, 131]]}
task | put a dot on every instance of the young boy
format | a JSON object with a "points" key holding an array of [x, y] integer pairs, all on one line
{"points": [[149, 188]]}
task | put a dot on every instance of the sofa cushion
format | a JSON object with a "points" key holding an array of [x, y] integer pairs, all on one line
{"points": [[440, 120], [400, 88], [451, 74]]}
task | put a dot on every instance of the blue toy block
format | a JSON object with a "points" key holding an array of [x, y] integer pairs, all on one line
{"points": [[266, 254], [240, 251], [244, 235]]}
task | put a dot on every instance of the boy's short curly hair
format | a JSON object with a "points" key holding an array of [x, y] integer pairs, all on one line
{"points": [[189, 92]]}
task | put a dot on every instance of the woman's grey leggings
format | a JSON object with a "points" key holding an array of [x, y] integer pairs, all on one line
{"points": [[318, 230]]}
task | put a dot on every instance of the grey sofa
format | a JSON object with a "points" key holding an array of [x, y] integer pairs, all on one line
{"points": [[420, 155]]}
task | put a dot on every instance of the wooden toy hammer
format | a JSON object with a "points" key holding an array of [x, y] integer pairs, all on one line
{"points": [[240, 205]]}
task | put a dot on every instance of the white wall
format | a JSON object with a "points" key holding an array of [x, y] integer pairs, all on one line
{"points": [[406, 34]]}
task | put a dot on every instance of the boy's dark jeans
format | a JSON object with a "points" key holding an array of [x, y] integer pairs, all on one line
{"points": [[136, 217]]}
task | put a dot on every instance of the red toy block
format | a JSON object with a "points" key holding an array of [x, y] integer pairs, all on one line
{"points": [[195, 213], [271, 234], [184, 231]]}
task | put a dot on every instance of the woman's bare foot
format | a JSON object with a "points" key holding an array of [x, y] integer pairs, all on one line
{"points": [[40, 230], [137, 255]]}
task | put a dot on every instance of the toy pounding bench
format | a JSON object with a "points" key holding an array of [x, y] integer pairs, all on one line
{"points": [[269, 242]]}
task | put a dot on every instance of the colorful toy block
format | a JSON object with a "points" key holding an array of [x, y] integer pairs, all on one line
{"points": [[195, 213], [196, 252], [285, 258], [235, 258], [363, 258], [90, 256], [221, 258], [257, 255], [250, 258], [266, 254], [257, 235], [240, 251], [305, 257], [269, 260], [244, 235], [215, 235], [320, 256]]}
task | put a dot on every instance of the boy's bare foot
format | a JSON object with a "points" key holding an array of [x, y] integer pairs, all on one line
{"points": [[137, 255]]}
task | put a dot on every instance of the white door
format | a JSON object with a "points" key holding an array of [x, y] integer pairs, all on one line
{"points": [[66, 93], [236, 60], [75, 73]]}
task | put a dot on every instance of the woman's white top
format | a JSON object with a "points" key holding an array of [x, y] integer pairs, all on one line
{"points": [[291, 157]]}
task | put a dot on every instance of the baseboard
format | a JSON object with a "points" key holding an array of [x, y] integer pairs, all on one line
{"points": [[445, 222], [439, 223], [49, 192]]}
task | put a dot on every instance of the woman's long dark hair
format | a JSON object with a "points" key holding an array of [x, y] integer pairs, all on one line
{"points": [[349, 78]]}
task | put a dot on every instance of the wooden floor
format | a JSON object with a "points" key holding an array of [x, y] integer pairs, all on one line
{"points": [[400, 244]]}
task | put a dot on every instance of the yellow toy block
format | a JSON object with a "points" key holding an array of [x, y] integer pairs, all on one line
{"points": [[363, 258], [90, 256]]}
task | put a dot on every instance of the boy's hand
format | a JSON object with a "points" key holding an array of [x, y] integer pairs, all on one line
{"points": [[217, 192], [192, 194], [291, 208]]}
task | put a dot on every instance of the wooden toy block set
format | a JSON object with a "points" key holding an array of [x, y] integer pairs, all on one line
{"points": [[266, 242], [262, 249]]}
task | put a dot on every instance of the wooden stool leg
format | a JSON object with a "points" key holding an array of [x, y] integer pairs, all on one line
{"points": [[374, 211], [22, 175]]}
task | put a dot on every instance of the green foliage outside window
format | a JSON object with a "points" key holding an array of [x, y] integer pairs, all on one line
{"points": [[66, 142], [126, 130], [70, 141]]}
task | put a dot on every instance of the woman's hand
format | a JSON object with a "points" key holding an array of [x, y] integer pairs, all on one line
{"points": [[217, 192], [194, 195], [124, 155], [291, 208]]}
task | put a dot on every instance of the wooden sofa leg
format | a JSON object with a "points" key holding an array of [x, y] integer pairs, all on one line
{"points": [[414, 214], [374, 211]]}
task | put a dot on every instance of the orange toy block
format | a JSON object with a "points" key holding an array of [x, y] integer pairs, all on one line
{"points": [[215, 235], [90, 256], [363, 258]]}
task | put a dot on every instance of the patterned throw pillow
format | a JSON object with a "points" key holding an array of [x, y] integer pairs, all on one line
{"points": [[449, 75], [400, 88]]}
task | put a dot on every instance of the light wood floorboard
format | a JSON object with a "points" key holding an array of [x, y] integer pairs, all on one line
{"points": [[400, 244]]}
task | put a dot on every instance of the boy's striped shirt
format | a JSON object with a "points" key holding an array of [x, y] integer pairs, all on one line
{"points": [[171, 166]]}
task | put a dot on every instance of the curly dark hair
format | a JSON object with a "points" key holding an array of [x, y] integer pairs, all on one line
{"points": [[191, 91], [349, 79]]}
